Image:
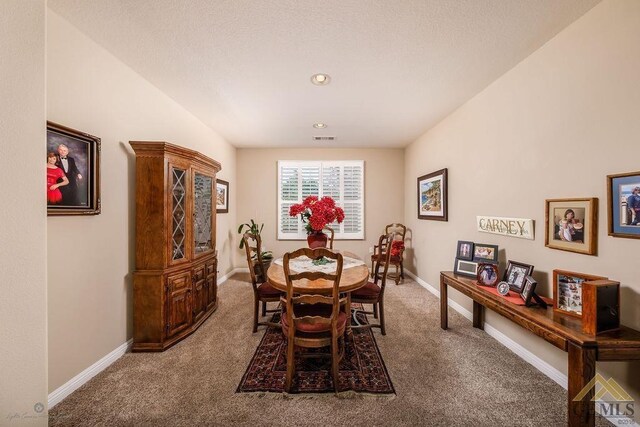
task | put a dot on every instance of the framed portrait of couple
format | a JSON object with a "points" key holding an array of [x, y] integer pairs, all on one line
{"points": [[73, 171]]}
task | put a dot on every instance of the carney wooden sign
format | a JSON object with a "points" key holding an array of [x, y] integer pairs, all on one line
{"points": [[512, 227]]}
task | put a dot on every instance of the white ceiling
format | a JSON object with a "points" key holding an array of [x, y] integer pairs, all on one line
{"points": [[397, 67]]}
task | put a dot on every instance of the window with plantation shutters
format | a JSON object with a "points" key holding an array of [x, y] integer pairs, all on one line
{"points": [[342, 180]]}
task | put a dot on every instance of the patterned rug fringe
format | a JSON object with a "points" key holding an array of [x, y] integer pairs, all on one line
{"points": [[348, 394]]}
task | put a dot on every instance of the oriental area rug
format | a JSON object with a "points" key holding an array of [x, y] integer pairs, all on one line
{"points": [[362, 370]]}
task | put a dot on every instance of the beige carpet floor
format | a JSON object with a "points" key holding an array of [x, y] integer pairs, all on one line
{"points": [[457, 377]]}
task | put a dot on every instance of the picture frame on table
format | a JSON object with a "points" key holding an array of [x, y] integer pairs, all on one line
{"points": [[516, 273], [528, 290], [465, 268], [222, 196], [73, 172], [465, 250], [567, 291], [485, 253], [572, 225], [623, 205], [432, 196], [487, 274]]}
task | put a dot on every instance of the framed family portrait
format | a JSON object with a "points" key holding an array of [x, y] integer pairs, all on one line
{"points": [[516, 273], [465, 250], [572, 225], [432, 196], [73, 171], [567, 291], [485, 253], [487, 274], [623, 205], [222, 196]]}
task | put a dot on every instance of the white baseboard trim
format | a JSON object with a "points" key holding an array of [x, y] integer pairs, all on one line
{"points": [[544, 367], [79, 380]]}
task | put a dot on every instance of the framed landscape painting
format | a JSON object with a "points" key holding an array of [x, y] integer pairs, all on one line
{"points": [[222, 196], [623, 205], [73, 171], [432, 196]]}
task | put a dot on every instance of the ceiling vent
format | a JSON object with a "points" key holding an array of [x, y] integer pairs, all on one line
{"points": [[324, 138]]}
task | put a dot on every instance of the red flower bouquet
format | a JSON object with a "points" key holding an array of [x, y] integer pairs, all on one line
{"points": [[317, 213]]}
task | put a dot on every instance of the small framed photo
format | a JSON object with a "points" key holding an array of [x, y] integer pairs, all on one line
{"points": [[528, 289], [567, 291], [466, 268], [73, 171], [432, 196], [487, 274], [515, 274], [465, 250], [222, 196], [623, 205], [572, 225], [485, 253]]}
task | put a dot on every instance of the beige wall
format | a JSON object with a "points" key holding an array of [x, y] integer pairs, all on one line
{"points": [[552, 127], [257, 182], [23, 309], [91, 258]]}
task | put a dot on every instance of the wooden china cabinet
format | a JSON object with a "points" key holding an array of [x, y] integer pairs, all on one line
{"points": [[175, 282]]}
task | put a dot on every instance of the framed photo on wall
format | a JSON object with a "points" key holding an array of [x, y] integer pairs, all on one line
{"points": [[572, 225], [222, 196], [623, 205], [432, 196], [73, 171]]}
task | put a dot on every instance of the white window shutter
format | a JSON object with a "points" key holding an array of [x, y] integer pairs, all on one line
{"points": [[341, 180]]}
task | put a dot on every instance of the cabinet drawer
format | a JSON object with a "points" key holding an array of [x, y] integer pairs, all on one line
{"points": [[198, 272], [211, 267], [179, 281]]}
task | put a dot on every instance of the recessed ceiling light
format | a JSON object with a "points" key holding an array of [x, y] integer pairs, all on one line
{"points": [[319, 125], [320, 79]]}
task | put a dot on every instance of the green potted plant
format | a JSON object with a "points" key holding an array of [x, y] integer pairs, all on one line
{"points": [[267, 256]]}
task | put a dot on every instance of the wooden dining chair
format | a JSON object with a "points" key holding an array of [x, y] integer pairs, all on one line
{"points": [[263, 292], [330, 237], [373, 293], [313, 321], [399, 231]]}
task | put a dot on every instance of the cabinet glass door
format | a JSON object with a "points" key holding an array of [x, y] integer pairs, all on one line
{"points": [[178, 213], [202, 212]]}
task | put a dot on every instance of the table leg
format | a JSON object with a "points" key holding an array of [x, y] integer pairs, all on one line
{"points": [[582, 369], [478, 315], [444, 306]]}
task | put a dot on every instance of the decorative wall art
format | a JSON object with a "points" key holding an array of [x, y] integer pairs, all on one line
{"points": [[623, 205], [73, 171], [432, 196], [512, 227], [572, 225], [222, 196]]}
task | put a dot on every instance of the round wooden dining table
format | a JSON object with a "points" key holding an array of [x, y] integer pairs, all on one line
{"points": [[352, 278]]}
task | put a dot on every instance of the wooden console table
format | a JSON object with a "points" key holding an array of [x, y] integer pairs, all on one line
{"points": [[560, 330]]}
